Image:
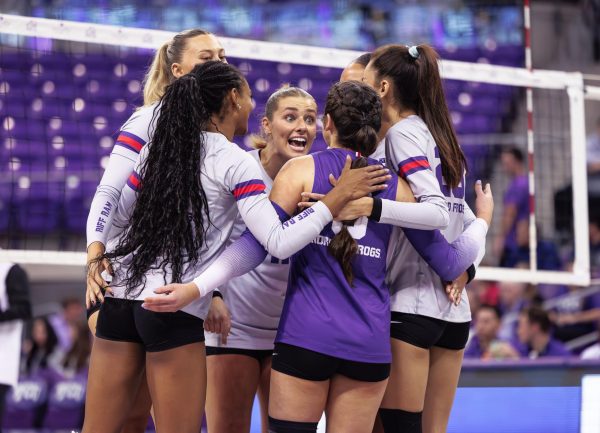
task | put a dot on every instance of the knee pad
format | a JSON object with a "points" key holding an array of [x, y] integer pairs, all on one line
{"points": [[400, 421], [281, 426]]}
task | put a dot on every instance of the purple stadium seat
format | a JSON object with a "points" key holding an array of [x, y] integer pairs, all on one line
{"points": [[77, 207], [38, 206], [65, 405], [25, 404], [6, 193]]}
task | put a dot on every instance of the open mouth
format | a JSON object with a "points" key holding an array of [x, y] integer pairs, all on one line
{"points": [[297, 143]]}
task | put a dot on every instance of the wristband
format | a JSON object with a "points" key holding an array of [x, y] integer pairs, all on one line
{"points": [[376, 211], [471, 273], [217, 294]]}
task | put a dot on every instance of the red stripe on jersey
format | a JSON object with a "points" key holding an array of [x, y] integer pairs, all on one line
{"points": [[248, 188], [130, 141], [135, 180], [414, 164]]}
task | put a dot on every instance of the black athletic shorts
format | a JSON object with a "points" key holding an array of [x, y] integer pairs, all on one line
{"points": [[259, 355], [307, 364], [95, 307], [426, 332], [126, 320]]}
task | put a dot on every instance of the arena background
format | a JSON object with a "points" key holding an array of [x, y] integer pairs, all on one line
{"points": [[62, 98]]}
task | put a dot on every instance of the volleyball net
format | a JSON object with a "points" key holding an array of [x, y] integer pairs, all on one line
{"points": [[67, 87]]}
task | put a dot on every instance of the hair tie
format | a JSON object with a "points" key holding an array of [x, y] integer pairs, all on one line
{"points": [[414, 52]]}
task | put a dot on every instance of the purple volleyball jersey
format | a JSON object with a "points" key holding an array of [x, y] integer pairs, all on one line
{"points": [[322, 312]]}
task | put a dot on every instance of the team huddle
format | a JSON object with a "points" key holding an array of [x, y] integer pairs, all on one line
{"points": [[326, 282]]}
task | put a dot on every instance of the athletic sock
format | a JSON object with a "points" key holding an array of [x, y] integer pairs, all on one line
{"points": [[400, 421], [282, 426]]}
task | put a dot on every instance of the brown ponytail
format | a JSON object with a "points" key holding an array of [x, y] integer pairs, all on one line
{"points": [[355, 110], [343, 246], [418, 86]]}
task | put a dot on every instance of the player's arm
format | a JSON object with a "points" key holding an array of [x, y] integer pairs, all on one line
{"points": [[450, 260], [270, 226], [104, 208]]}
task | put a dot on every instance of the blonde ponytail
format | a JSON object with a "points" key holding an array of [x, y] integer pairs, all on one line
{"points": [[158, 76]]}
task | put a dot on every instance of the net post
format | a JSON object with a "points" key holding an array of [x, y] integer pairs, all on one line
{"points": [[530, 141], [576, 95]]}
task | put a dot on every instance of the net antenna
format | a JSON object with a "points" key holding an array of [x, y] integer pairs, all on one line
{"points": [[571, 83]]}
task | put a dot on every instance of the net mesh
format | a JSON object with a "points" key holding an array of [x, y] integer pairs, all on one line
{"points": [[62, 102]]}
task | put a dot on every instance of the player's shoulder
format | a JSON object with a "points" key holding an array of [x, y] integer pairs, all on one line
{"points": [[411, 130], [141, 121]]}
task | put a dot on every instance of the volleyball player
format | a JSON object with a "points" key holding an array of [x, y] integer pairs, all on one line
{"points": [[354, 71], [175, 58], [240, 365], [428, 332], [172, 220]]}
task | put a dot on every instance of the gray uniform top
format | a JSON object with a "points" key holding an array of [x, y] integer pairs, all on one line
{"points": [[233, 184], [255, 299], [415, 288]]}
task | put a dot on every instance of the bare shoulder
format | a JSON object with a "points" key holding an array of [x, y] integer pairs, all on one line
{"points": [[298, 165]]}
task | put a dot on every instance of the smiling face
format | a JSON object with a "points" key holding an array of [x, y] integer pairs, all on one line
{"points": [[293, 128], [199, 49]]}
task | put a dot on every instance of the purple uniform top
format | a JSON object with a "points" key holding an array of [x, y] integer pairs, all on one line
{"points": [[322, 312], [517, 194], [553, 348]]}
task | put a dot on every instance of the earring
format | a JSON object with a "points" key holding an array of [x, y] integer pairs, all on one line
{"points": [[239, 107]]}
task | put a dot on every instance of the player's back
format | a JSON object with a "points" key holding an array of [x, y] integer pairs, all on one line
{"points": [[322, 311]]}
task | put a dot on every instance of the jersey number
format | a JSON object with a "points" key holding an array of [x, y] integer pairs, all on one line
{"points": [[357, 231]]}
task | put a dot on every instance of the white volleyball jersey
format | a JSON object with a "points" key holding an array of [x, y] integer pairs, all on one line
{"points": [[233, 183], [415, 288], [255, 299], [133, 136], [379, 154]]}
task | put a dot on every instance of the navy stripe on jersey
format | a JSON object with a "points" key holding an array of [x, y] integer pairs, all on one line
{"points": [[248, 189], [134, 181], [413, 165], [130, 141]]}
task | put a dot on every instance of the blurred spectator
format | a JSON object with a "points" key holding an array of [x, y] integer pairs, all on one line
{"points": [[14, 309], [42, 351], [574, 315], [485, 344], [534, 335], [512, 301], [593, 150], [595, 247], [592, 352], [515, 213], [71, 316], [75, 361]]}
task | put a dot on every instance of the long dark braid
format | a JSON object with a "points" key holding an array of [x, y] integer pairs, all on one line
{"points": [[171, 213], [356, 112]]}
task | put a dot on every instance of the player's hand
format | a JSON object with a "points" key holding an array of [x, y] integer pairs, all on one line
{"points": [[218, 319], [354, 209], [359, 182], [484, 202], [454, 289], [171, 298], [96, 284], [308, 199]]}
